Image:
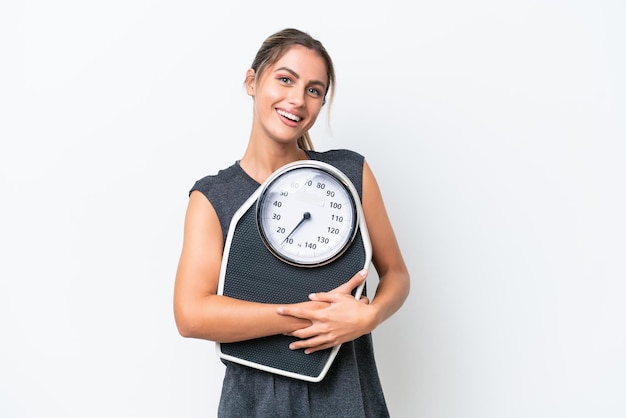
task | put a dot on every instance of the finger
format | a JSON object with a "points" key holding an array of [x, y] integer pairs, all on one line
{"points": [[304, 334], [326, 297], [331, 297], [311, 345], [318, 348], [291, 311]]}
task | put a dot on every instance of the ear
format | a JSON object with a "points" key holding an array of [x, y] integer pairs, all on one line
{"points": [[250, 81]]}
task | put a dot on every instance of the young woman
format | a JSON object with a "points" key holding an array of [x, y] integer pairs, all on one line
{"points": [[289, 81]]}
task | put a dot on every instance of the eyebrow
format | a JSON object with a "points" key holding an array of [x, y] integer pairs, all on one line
{"points": [[297, 76]]}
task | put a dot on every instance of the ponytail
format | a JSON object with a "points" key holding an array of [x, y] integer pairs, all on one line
{"points": [[305, 143]]}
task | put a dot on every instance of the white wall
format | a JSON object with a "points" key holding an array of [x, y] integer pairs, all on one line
{"points": [[497, 133]]}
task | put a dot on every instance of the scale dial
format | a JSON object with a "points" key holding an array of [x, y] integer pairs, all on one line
{"points": [[307, 213]]}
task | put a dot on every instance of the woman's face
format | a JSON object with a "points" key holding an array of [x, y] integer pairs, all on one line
{"points": [[288, 95]]}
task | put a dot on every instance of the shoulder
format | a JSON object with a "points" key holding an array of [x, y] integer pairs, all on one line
{"points": [[206, 183], [337, 155], [226, 191]]}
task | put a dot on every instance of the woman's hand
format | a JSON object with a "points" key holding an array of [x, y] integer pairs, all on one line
{"points": [[339, 319]]}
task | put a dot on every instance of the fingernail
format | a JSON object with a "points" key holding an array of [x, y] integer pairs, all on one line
{"points": [[363, 273]]}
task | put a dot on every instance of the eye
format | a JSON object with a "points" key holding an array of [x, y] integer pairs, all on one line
{"points": [[314, 91], [284, 79]]}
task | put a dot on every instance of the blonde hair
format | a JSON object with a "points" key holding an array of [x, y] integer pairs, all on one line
{"points": [[276, 45]]}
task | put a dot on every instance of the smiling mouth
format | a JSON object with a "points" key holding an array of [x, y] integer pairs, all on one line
{"points": [[289, 116]]}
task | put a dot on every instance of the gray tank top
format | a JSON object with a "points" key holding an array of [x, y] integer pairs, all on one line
{"points": [[352, 386]]}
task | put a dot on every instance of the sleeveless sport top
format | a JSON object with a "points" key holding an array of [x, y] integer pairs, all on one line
{"points": [[351, 387]]}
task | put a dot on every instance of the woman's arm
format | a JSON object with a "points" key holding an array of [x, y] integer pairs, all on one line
{"points": [[345, 319], [198, 310], [394, 284]]}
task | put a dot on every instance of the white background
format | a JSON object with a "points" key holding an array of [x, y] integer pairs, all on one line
{"points": [[496, 130]]}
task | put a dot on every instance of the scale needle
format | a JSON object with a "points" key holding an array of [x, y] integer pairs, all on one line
{"points": [[305, 216]]}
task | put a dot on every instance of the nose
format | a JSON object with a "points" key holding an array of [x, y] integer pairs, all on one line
{"points": [[296, 96]]}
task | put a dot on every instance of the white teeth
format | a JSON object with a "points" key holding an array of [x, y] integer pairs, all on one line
{"points": [[289, 116]]}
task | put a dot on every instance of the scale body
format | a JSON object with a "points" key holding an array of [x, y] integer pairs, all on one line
{"points": [[260, 266]]}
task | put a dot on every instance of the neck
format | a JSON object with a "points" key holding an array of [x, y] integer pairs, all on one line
{"points": [[261, 163]]}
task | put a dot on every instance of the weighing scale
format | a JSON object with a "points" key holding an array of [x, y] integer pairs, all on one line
{"points": [[302, 231]]}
